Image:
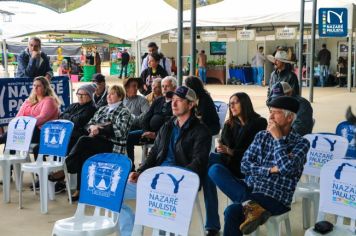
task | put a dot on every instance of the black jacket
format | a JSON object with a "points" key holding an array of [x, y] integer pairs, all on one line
{"points": [[27, 66], [80, 116], [160, 111], [207, 111], [191, 149], [160, 72], [285, 75], [239, 138]]}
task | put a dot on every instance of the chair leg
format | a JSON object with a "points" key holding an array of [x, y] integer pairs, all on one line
{"points": [[17, 170], [68, 180], [20, 190], [200, 213], [6, 181], [315, 207], [306, 212], [43, 191], [272, 228], [288, 227]]}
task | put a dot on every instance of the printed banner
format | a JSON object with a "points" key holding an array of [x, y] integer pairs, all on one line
{"points": [[323, 148], [338, 188], [104, 180], [209, 36], [19, 133], [165, 199], [286, 33], [246, 34], [14, 91], [332, 22]]}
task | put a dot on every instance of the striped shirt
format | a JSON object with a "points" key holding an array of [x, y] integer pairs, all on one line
{"points": [[288, 154]]}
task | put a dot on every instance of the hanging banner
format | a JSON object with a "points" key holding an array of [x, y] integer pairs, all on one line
{"points": [[286, 33], [323, 148], [165, 199], [333, 22], [14, 91], [338, 188], [209, 36], [173, 37], [246, 34]]}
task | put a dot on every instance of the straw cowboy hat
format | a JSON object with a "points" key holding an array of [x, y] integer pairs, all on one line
{"points": [[280, 56]]}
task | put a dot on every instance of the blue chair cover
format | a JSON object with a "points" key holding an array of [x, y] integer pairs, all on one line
{"points": [[347, 130], [55, 136], [104, 178]]}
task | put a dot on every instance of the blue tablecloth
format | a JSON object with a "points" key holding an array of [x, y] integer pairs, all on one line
{"points": [[244, 74]]}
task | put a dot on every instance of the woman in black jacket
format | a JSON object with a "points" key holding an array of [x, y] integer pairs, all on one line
{"points": [[155, 70], [238, 133], [206, 110]]}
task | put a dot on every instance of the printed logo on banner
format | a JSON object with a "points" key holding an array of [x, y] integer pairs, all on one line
{"points": [[332, 22], [19, 133], [317, 158], [342, 192], [164, 204], [103, 178]]}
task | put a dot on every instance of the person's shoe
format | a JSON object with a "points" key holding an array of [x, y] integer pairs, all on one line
{"points": [[59, 187], [212, 232], [255, 215], [37, 185]]}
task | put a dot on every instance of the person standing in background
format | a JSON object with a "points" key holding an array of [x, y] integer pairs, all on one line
{"points": [[324, 57], [97, 62], [125, 58], [259, 60], [202, 58]]}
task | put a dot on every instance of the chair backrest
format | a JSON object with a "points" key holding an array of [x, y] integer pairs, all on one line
{"points": [[19, 133], [55, 136], [348, 131], [165, 198], [104, 178], [221, 109], [338, 190], [323, 148]]}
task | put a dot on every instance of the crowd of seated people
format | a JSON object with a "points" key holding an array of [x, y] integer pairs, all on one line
{"points": [[252, 163]]}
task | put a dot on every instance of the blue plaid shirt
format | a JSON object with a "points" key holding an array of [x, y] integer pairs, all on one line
{"points": [[288, 154]]}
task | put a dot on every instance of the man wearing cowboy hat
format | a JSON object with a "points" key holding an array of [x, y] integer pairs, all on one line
{"points": [[282, 72], [138, 106], [273, 165]]}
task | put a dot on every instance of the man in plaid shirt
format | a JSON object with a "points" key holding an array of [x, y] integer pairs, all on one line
{"points": [[273, 165]]}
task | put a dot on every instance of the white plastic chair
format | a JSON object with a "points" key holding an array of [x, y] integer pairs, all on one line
{"points": [[335, 172], [179, 185], [273, 225], [221, 109], [330, 145], [104, 179], [19, 135], [55, 136]]}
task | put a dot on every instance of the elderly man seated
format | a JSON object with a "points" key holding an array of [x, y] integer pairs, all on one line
{"points": [[272, 165]]}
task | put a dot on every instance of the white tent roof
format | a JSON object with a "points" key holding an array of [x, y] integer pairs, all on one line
{"points": [[257, 12], [129, 20]]}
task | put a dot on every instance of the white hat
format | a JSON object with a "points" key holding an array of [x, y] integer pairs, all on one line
{"points": [[280, 56]]}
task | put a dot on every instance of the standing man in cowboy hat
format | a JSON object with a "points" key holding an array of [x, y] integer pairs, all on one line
{"points": [[282, 72]]}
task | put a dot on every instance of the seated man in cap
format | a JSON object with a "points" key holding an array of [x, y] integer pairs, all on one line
{"points": [[273, 165], [182, 141], [282, 72], [101, 90], [303, 123]]}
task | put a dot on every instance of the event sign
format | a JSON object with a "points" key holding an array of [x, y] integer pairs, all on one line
{"points": [[209, 36], [286, 33], [19, 133], [338, 188], [332, 22], [14, 91], [323, 148], [246, 34], [165, 199]]}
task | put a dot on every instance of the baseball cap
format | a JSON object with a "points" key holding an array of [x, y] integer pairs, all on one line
{"points": [[186, 93], [98, 78], [280, 89]]}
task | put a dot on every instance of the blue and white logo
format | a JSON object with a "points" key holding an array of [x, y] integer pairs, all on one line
{"points": [[332, 22]]}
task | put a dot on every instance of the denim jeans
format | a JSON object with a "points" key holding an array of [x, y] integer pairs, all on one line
{"points": [[324, 74], [211, 196], [260, 72], [123, 67], [202, 74], [133, 139]]}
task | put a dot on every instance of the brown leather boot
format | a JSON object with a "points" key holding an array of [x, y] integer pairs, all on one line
{"points": [[255, 215]]}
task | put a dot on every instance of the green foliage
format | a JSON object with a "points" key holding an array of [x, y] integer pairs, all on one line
{"points": [[217, 62]]}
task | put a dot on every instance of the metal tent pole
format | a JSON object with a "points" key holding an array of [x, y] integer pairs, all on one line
{"points": [[301, 40], [180, 42], [193, 37], [312, 57]]}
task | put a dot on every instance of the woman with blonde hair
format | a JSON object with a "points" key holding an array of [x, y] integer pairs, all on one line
{"points": [[42, 104], [107, 132]]}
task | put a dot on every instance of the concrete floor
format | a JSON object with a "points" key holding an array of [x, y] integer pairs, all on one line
{"points": [[329, 109]]}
